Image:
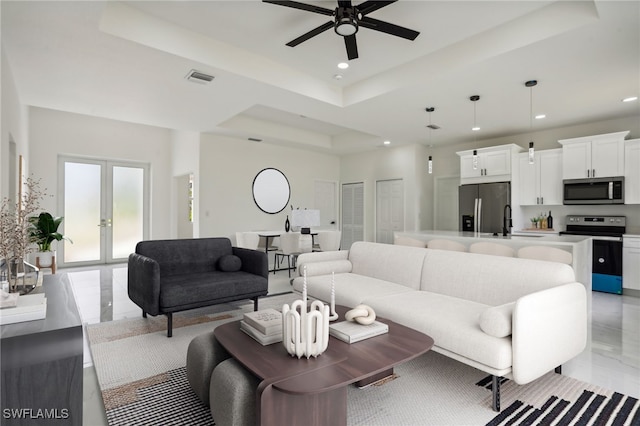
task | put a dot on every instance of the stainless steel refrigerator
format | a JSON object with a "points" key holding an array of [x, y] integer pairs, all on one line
{"points": [[481, 206]]}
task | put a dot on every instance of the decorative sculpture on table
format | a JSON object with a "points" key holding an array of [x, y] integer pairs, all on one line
{"points": [[305, 333]]}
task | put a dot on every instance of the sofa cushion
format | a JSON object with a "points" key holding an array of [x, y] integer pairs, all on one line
{"points": [[397, 264], [351, 289], [487, 279], [496, 320], [451, 322], [229, 263], [179, 292], [326, 267]]}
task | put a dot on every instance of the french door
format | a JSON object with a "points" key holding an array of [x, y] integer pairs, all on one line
{"points": [[105, 205]]}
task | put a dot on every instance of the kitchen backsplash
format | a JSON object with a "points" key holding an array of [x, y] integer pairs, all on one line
{"points": [[631, 211]]}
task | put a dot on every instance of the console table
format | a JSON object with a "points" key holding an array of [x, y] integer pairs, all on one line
{"points": [[42, 362]]}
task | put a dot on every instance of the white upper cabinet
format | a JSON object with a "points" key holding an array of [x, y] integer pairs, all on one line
{"points": [[632, 171], [493, 164], [593, 156], [541, 182]]}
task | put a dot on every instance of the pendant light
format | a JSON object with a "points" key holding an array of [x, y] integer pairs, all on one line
{"points": [[530, 84], [431, 127], [475, 128]]}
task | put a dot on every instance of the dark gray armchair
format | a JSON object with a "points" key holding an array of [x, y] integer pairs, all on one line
{"points": [[167, 276]]}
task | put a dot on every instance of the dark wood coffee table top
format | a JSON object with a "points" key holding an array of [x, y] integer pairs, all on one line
{"points": [[341, 364]]}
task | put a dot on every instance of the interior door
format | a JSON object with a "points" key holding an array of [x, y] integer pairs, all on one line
{"points": [[352, 214], [105, 210], [389, 209], [325, 200]]}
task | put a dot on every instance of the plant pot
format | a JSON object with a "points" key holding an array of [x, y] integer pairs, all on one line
{"points": [[45, 258]]}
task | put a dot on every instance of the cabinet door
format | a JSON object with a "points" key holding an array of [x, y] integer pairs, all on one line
{"points": [[576, 160], [607, 157], [550, 177], [528, 181], [466, 167], [496, 162], [632, 172]]}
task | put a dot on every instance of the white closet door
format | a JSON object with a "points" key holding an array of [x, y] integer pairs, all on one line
{"points": [[352, 214], [389, 209]]}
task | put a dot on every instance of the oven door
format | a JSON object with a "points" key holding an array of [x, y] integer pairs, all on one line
{"points": [[606, 265], [594, 191]]}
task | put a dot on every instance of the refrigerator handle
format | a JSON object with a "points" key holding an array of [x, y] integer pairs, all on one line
{"points": [[475, 215], [479, 214]]}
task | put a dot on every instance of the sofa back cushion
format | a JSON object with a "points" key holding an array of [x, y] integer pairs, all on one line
{"points": [[185, 256], [487, 279], [398, 264]]}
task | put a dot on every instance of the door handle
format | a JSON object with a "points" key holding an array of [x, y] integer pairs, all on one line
{"points": [[104, 223]]}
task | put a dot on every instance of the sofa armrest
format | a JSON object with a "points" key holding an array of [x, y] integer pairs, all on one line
{"points": [[143, 283], [549, 328], [253, 261], [321, 257]]}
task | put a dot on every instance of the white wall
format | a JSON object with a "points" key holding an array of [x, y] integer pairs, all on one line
{"points": [[227, 169], [14, 124], [404, 163], [185, 159], [54, 133]]}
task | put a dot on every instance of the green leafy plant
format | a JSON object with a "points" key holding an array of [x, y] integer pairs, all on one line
{"points": [[44, 230]]}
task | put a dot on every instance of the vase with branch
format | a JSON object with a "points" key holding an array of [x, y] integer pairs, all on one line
{"points": [[15, 233]]}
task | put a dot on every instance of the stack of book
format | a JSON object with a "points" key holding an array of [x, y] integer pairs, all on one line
{"points": [[351, 332], [265, 326]]}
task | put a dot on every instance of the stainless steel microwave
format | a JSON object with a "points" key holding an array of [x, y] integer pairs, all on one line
{"points": [[594, 191]]}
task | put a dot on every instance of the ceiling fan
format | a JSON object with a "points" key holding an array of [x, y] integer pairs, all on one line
{"points": [[347, 18]]}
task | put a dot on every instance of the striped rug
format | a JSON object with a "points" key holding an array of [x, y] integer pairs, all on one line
{"points": [[143, 381]]}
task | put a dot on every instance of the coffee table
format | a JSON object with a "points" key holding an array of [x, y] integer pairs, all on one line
{"points": [[314, 391]]}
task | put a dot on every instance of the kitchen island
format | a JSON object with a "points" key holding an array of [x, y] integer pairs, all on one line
{"points": [[578, 246]]}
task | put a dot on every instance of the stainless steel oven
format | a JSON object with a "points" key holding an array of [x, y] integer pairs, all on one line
{"points": [[606, 264]]}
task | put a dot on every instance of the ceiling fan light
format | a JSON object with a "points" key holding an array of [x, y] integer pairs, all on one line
{"points": [[346, 26]]}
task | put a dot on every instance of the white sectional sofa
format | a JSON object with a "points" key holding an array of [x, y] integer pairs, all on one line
{"points": [[510, 317]]}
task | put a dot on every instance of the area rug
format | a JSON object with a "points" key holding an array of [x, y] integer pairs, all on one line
{"points": [[142, 378]]}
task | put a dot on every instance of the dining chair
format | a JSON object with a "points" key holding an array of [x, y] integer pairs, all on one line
{"points": [[440, 244], [248, 240], [494, 249], [329, 240], [408, 241], [551, 254], [289, 247]]}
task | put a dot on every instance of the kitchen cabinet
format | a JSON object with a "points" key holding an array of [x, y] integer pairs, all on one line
{"points": [[632, 171], [541, 182], [593, 156], [631, 262], [493, 164]]}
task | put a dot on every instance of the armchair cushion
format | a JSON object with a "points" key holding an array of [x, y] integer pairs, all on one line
{"points": [[229, 263]]}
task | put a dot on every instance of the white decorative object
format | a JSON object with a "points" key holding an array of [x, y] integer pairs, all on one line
{"points": [[362, 314], [334, 315], [305, 333]]}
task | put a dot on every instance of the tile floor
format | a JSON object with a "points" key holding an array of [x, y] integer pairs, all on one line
{"points": [[611, 360]]}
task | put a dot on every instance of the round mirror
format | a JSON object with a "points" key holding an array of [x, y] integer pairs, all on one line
{"points": [[271, 190]]}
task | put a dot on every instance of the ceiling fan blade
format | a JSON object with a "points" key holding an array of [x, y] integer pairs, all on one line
{"points": [[352, 47], [314, 32], [371, 6], [385, 27], [302, 6]]}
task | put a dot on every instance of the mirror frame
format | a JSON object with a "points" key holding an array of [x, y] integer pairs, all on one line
{"points": [[268, 184]]}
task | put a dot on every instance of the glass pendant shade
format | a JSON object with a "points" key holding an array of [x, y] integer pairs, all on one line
{"points": [[531, 153], [474, 160], [430, 164]]}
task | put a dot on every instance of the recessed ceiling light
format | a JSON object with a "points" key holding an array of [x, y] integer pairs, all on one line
{"points": [[540, 116], [337, 76], [387, 142], [630, 99], [475, 129], [343, 65]]}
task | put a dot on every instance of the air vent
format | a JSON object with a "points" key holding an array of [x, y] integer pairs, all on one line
{"points": [[199, 77], [255, 139], [433, 126]]}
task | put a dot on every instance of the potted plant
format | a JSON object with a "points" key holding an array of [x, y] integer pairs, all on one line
{"points": [[43, 232]]}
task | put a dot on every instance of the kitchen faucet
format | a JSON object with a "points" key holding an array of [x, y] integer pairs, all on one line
{"points": [[507, 223]]}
